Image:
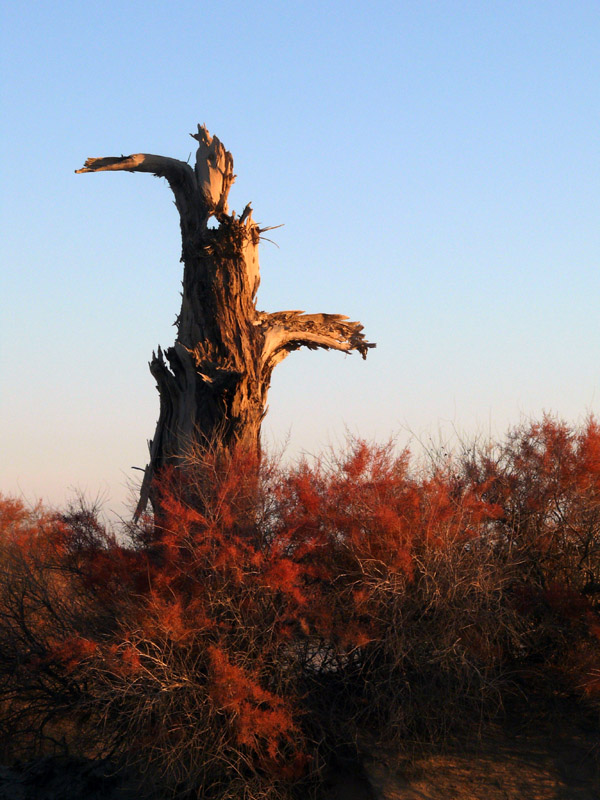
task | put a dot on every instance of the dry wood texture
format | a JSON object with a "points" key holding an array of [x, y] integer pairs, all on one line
{"points": [[213, 382]]}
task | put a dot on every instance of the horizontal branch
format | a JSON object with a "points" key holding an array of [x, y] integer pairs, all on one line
{"points": [[285, 331], [162, 166], [207, 185], [180, 175]]}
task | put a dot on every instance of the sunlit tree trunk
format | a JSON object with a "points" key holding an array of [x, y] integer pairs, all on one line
{"points": [[213, 381]]}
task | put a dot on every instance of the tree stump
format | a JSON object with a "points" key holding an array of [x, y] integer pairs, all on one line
{"points": [[213, 381]]}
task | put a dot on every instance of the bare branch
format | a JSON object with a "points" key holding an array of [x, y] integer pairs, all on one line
{"points": [[180, 175], [285, 331], [163, 166]]}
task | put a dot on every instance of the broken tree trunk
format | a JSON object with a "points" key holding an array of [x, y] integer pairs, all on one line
{"points": [[213, 382]]}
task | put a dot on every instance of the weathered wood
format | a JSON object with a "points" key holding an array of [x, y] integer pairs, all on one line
{"points": [[213, 382]]}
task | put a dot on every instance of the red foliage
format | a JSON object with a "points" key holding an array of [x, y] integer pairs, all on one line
{"points": [[70, 652], [254, 586], [262, 721]]}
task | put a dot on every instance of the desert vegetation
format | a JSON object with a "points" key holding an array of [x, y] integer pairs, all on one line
{"points": [[267, 620]]}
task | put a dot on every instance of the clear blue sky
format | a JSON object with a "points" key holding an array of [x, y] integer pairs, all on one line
{"points": [[436, 165]]}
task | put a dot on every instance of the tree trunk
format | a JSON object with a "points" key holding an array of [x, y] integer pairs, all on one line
{"points": [[213, 382]]}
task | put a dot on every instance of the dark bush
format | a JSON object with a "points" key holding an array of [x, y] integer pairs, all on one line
{"points": [[268, 620]]}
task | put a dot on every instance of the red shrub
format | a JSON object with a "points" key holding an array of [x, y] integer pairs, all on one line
{"points": [[266, 616]]}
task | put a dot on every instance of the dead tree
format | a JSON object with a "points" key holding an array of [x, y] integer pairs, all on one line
{"points": [[213, 382]]}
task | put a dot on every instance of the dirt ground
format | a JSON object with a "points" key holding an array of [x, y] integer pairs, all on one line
{"points": [[535, 753]]}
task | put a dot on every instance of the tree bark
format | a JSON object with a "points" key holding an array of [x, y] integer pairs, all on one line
{"points": [[213, 382]]}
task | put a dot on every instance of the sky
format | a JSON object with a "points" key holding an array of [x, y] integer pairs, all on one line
{"points": [[435, 166]]}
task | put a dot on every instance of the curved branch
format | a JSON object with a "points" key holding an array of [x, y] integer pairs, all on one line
{"points": [[205, 187], [285, 331], [180, 175]]}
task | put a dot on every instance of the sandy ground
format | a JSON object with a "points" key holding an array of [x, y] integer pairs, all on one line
{"points": [[534, 754], [522, 771]]}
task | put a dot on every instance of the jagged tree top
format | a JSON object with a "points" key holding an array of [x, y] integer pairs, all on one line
{"points": [[201, 192]]}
